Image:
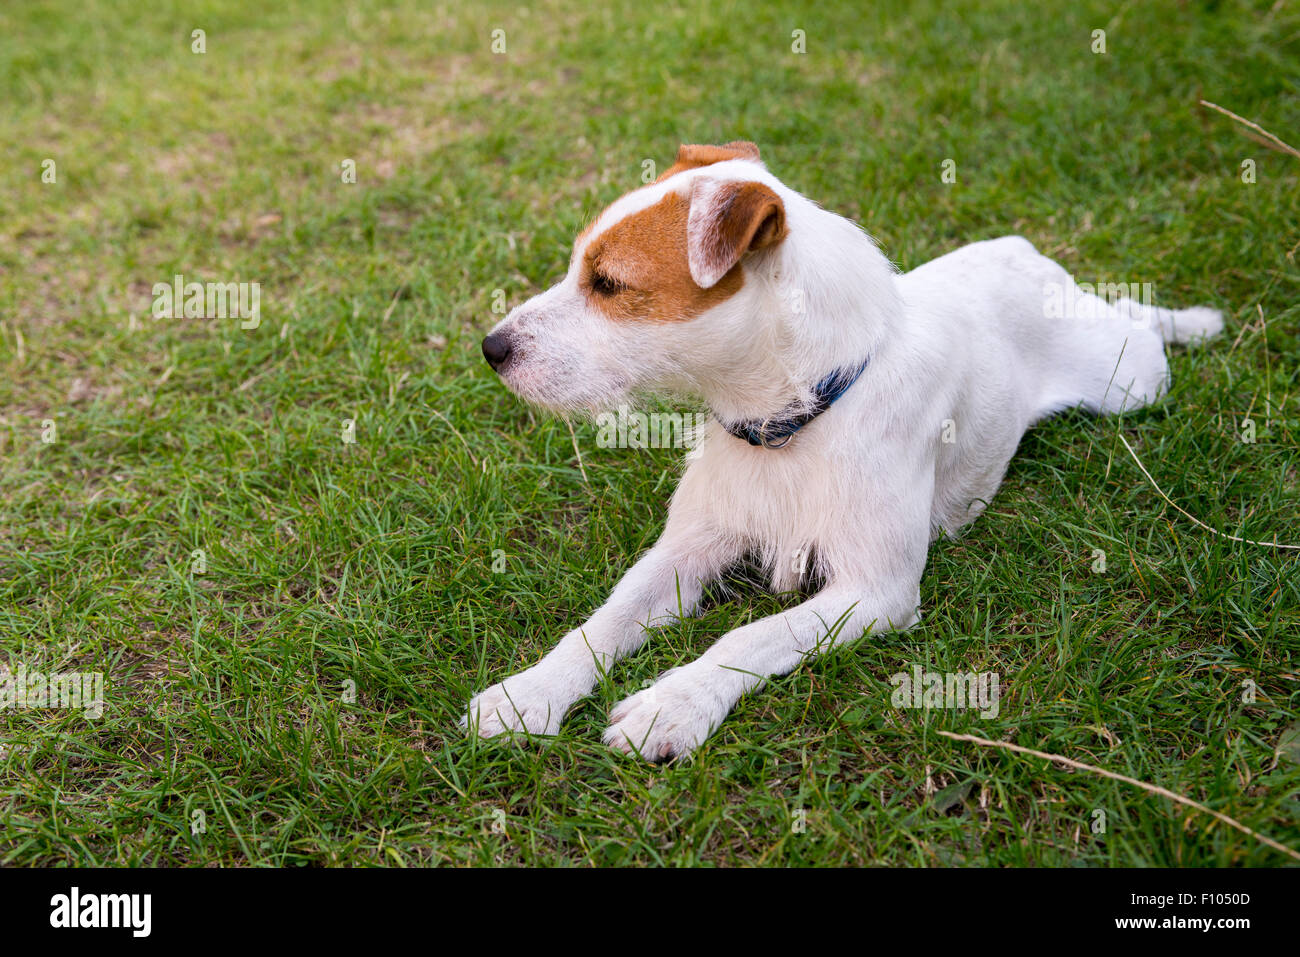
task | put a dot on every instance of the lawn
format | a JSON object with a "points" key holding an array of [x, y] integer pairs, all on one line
{"points": [[294, 551]]}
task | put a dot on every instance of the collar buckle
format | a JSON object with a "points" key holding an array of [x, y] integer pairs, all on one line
{"points": [[767, 441]]}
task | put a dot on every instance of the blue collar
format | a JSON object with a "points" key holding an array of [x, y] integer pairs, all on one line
{"points": [[775, 433]]}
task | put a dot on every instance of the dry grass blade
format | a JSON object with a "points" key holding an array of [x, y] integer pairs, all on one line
{"points": [[1151, 788], [1192, 518], [1268, 138]]}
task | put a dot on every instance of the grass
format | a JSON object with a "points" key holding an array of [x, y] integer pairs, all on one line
{"points": [[333, 566]]}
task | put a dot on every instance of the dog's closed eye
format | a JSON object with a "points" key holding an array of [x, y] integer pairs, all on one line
{"points": [[603, 285]]}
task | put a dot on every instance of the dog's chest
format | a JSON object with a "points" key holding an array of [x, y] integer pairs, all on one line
{"points": [[777, 501]]}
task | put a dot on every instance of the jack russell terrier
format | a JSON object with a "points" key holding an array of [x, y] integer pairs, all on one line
{"points": [[857, 414]]}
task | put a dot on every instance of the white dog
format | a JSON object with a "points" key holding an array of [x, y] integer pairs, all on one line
{"points": [[858, 413]]}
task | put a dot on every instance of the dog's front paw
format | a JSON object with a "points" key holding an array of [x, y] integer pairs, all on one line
{"points": [[522, 702], [670, 718]]}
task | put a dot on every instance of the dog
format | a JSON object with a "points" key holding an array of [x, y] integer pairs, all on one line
{"points": [[857, 414]]}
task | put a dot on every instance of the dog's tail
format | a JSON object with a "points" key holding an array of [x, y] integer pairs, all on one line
{"points": [[1175, 325]]}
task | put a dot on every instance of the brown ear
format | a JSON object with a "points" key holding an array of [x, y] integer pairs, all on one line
{"points": [[728, 220], [693, 156]]}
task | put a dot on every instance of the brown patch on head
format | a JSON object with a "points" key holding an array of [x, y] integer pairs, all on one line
{"points": [[693, 156], [639, 268]]}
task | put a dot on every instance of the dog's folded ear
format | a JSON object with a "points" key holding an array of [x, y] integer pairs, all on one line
{"points": [[728, 220]]}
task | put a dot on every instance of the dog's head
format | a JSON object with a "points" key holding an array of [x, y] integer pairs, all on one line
{"points": [[683, 285]]}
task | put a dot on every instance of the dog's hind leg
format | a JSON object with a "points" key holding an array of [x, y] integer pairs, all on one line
{"points": [[1110, 357]]}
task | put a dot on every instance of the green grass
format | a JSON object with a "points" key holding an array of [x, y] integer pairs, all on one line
{"points": [[330, 563]]}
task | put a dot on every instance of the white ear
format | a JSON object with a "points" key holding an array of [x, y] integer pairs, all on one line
{"points": [[727, 220]]}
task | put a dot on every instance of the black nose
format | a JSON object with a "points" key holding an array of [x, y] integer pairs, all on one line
{"points": [[496, 348]]}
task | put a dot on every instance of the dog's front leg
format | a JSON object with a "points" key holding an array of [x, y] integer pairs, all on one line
{"points": [[676, 713], [665, 584]]}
